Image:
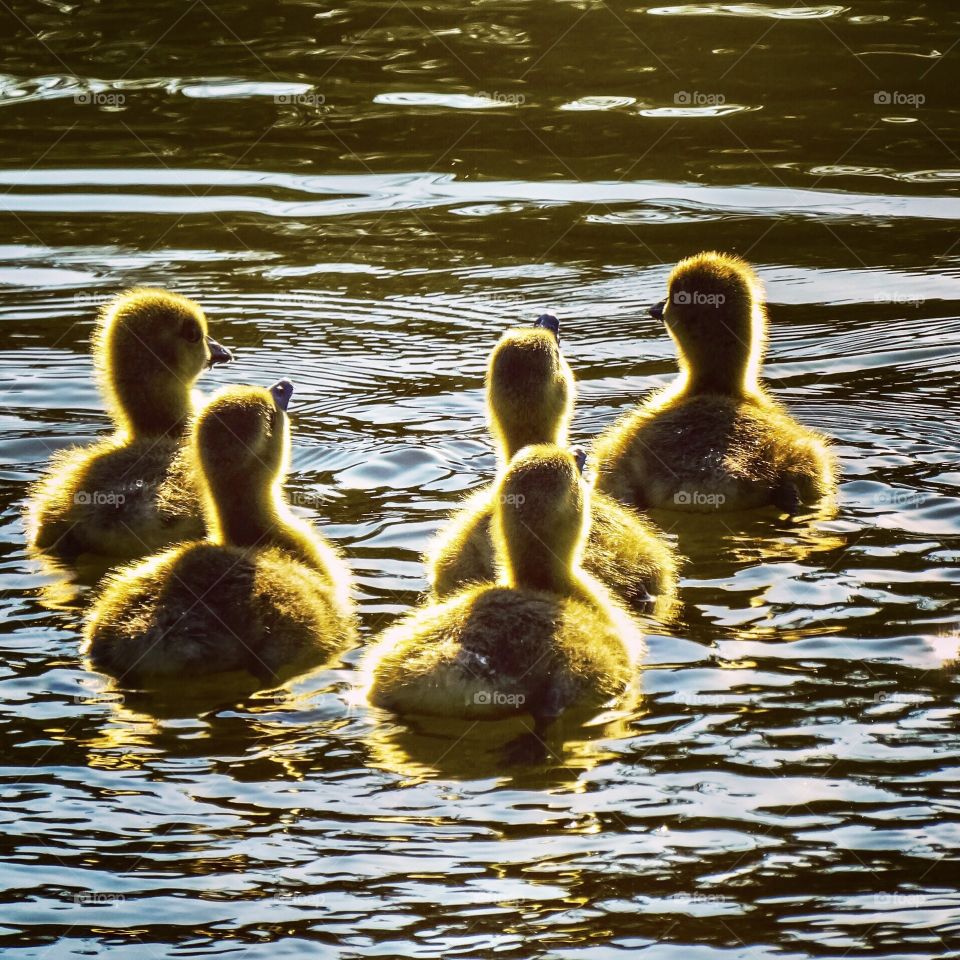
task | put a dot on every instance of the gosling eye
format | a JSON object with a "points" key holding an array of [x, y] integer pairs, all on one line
{"points": [[190, 331]]}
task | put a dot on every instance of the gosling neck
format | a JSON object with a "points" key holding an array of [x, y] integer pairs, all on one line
{"points": [[729, 364], [146, 408], [533, 564], [243, 513], [736, 382], [249, 517], [510, 438]]}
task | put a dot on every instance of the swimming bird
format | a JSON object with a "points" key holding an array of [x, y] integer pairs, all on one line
{"points": [[262, 597], [545, 637], [530, 391], [131, 493], [714, 440]]}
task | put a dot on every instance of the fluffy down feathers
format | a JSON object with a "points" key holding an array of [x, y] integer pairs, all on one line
{"points": [[714, 440]]}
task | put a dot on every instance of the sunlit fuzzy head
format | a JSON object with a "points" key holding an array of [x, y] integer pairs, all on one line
{"points": [[241, 445], [542, 515], [150, 346], [530, 389], [715, 314]]}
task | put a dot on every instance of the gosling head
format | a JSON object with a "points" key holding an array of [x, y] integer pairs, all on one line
{"points": [[150, 347], [241, 445], [542, 515], [530, 388], [715, 314]]}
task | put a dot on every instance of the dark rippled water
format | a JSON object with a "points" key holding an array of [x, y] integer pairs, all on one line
{"points": [[363, 197]]}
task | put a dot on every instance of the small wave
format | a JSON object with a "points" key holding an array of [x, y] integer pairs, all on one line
{"points": [[760, 10]]}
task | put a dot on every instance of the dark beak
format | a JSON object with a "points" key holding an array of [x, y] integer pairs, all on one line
{"points": [[580, 455], [549, 322], [281, 392], [656, 311], [218, 353]]}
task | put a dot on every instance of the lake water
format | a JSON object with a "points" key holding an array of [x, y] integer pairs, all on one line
{"points": [[363, 197]]}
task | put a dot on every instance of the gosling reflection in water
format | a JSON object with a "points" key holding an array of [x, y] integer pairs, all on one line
{"points": [[424, 747]]}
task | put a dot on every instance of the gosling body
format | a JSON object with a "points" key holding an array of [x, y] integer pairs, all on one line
{"points": [[545, 638], [714, 440], [530, 397], [263, 596], [133, 492]]}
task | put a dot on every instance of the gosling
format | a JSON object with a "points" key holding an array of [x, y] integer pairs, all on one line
{"points": [[546, 637], [263, 597], [130, 494], [714, 440]]}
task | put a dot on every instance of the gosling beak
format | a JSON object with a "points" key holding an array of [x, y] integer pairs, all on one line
{"points": [[281, 392], [656, 311], [549, 322], [218, 353], [580, 457]]}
